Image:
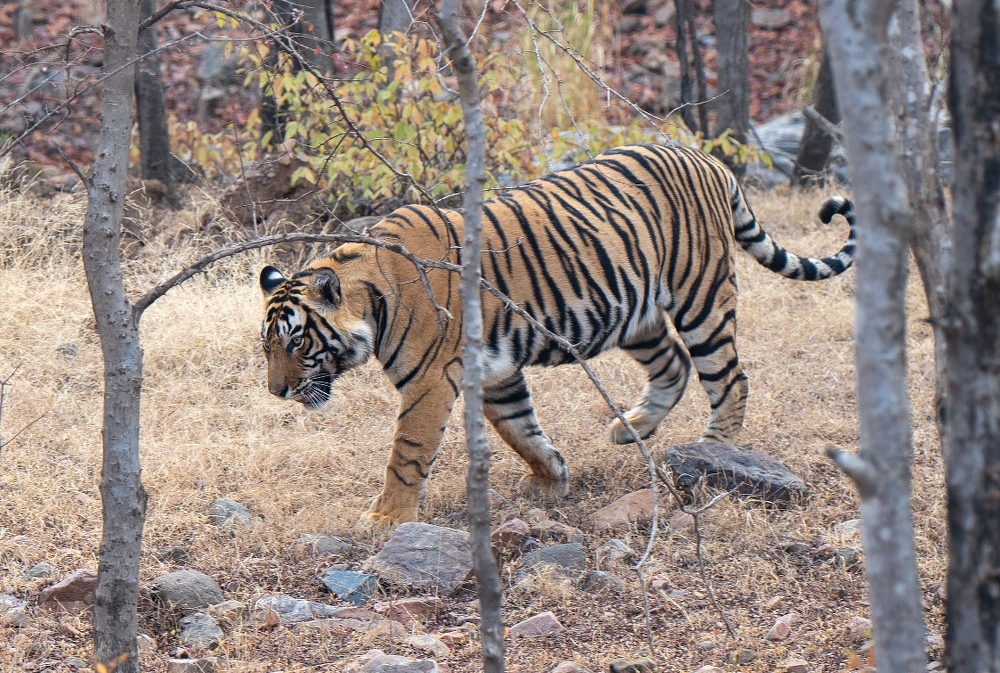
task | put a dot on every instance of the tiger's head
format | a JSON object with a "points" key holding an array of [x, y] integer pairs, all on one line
{"points": [[310, 336]]}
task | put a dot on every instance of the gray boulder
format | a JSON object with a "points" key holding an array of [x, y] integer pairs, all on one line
{"points": [[187, 590], [424, 556], [750, 473]]}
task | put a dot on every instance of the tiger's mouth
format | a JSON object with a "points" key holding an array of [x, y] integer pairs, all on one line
{"points": [[315, 392]]}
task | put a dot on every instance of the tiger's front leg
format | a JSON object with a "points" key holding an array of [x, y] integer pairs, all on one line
{"points": [[423, 415]]}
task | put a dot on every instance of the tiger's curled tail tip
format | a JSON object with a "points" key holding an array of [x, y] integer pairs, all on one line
{"points": [[836, 205]]}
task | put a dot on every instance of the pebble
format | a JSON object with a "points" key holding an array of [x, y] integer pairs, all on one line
{"points": [[200, 630], [146, 644], [623, 513], [510, 534], [742, 656], [793, 666], [568, 560], [174, 554], [206, 665], [542, 624], [424, 556], [597, 582], [782, 627], [229, 514], [406, 610], [319, 544], [428, 644], [612, 550], [641, 665], [351, 587], [570, 667], [41, 571], [78, 587]]}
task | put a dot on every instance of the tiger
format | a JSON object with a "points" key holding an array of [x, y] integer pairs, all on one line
{"points": [[613, 252]]}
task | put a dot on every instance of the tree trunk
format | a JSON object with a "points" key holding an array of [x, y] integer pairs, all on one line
{"points": [[973, 350], [856, 32], [815, 146], [154, 136], [316, 33], [395, 15], [732, 62], [484, 565], [122, 496], [911, 96]]}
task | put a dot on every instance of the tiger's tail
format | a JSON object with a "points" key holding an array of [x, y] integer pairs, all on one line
{"points": [[765, 250]]}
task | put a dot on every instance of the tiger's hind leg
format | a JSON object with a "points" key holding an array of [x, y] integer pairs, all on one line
{"points": [[508, 407], [710, 338], [667, 365]]}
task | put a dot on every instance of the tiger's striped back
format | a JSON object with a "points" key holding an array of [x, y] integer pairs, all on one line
{"points": [[603, 254]]}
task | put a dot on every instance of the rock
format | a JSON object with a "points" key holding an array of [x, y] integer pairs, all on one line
{"points": [[934, 640], [628, 24], [793, 666], [200, 630], [680, 522], [229, 514], [623, 513], [173, 554], [793, 547], [750, 473], [76, 662], [598, 582], [319, 544], [377, 661], [351, 587], [848, 558], [641, 665], [291, 610], [78, 587], [570, 667], [41, 571], [612, 550], [406, 610], [665, 14], [707, 645], [535, 515], [632, 6], [770, 18], [187, 590], [568, 560], [206, 665], [848, 528], [742, 656], [386, 628], [554, 531], [496, 500], [225, 609], [146, 644], [269, 182], [782, 627], [709, 669], [542, 624], [428, 644], [10, 603], [424, 556], [773, 603], [12, 612], [510, 534], [454, 637], [677, 593], [859, 626]]}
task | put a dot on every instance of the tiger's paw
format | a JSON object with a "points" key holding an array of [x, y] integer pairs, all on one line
{"points": [[617, 434], [375, 526], [536, 486]]}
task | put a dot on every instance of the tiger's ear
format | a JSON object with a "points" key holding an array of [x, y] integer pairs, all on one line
{"points": [[270, 279], [326, 284]]}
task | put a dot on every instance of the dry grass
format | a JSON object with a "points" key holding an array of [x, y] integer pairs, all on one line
{"points": [[210, 429]]}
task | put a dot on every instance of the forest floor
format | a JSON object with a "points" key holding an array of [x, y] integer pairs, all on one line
{"points": [[210, 430]]}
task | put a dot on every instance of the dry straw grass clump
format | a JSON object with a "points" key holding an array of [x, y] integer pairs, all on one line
{"points": [[209, 430]]}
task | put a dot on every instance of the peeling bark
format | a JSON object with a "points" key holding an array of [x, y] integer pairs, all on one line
{"points": [[856, 32]]}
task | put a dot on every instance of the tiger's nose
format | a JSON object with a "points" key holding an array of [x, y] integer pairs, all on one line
{"points": [[278, 389]]}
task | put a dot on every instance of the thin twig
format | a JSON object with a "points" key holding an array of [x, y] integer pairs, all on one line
{"points": [[419, 264], [695, 515], [3, 398], [76, 169], [824, 124]]}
